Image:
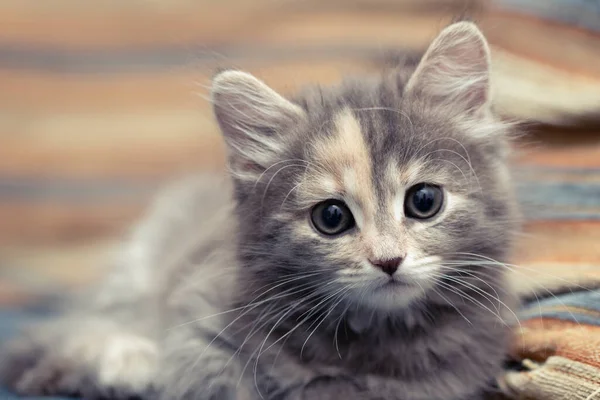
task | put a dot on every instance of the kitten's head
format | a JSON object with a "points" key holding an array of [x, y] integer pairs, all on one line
{"points": [[378, 189]]}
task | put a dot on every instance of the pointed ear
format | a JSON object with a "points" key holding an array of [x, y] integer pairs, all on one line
{"points": [[456, 70], [253, 119]]}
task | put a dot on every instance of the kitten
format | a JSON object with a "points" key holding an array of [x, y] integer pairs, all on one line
{"points": [[351, 254]]}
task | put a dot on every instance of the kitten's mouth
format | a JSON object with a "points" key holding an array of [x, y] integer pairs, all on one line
{"points": [[393, 293], [394, 283]]}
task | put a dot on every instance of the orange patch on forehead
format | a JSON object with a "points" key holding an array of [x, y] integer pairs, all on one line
{"points": [[344, 156]]}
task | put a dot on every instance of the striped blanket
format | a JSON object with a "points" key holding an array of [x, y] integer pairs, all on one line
{"points": [[558, 346]]}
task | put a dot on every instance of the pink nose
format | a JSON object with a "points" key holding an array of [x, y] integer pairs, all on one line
{"points": [[389, 266]]}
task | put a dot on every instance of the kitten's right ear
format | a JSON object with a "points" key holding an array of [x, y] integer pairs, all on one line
{"points": [[253, 119]]}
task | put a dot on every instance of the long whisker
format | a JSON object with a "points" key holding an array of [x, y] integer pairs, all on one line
{"points": [[448, 266], [253, 302], [499, 263], [278, 314], [515, 268], [337, 327], [472, 287], [468, 161], [275, 164], [486, 274], [487, 296], [466, 296], [452, 305], [235, 320], [264, 195], [261, 347], [304, 318], [454, 165], [258, 326], [341, 298]]}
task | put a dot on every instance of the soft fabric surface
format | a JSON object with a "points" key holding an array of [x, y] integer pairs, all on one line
{"points": [[558, 344], [582, 13]]}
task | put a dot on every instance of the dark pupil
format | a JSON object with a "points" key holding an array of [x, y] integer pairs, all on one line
{"points": [[423, 199], [332, 216]]}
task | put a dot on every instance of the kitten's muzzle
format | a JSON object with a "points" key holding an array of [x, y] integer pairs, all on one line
{"points": [[389, 266]]}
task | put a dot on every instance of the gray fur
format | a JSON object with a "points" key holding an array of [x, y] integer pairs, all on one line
{"points": [[216, 296]]}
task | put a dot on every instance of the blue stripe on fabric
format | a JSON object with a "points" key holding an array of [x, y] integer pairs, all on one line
{"points": [[4, 395], [10, 321], [561, 193], [562, 315], [581, 13], [556, 198], [557, 307], [588, 299]]}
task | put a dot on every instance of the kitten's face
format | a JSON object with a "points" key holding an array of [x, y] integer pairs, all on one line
{"points": [[385, 196], [373, 192]]}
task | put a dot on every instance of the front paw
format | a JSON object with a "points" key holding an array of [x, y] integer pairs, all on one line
{"points": [[115, 366]]}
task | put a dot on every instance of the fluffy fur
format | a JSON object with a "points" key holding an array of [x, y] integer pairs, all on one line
{"points": [[227, 291]]}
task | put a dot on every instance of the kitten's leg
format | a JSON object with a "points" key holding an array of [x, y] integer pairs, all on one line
{"points": [[103, 346], [90, 357], [110, 344]]}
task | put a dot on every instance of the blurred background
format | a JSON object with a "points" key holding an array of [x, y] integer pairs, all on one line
{"points": [[103, 101]]}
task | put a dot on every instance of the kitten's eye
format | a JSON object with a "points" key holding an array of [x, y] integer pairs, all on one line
{"points": [[332, 217], [423, 201]]}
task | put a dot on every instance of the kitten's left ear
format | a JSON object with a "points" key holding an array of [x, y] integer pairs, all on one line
{"points": [[254, 120], [456, 70]]}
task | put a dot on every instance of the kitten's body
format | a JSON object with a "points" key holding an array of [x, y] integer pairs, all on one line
{"points": [[226, 291]]}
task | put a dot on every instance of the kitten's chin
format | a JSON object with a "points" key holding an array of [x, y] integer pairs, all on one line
{"points": [[393, 295]]}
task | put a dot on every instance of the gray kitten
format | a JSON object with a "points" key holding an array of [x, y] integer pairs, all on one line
{"points": [[354, 253]]}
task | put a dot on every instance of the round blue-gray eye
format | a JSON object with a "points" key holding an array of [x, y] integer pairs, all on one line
{"points": [[423, 201], [332, 217]]}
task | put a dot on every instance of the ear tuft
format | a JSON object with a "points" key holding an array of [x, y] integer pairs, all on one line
{"points": [[455, 69], [253, 118]]}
